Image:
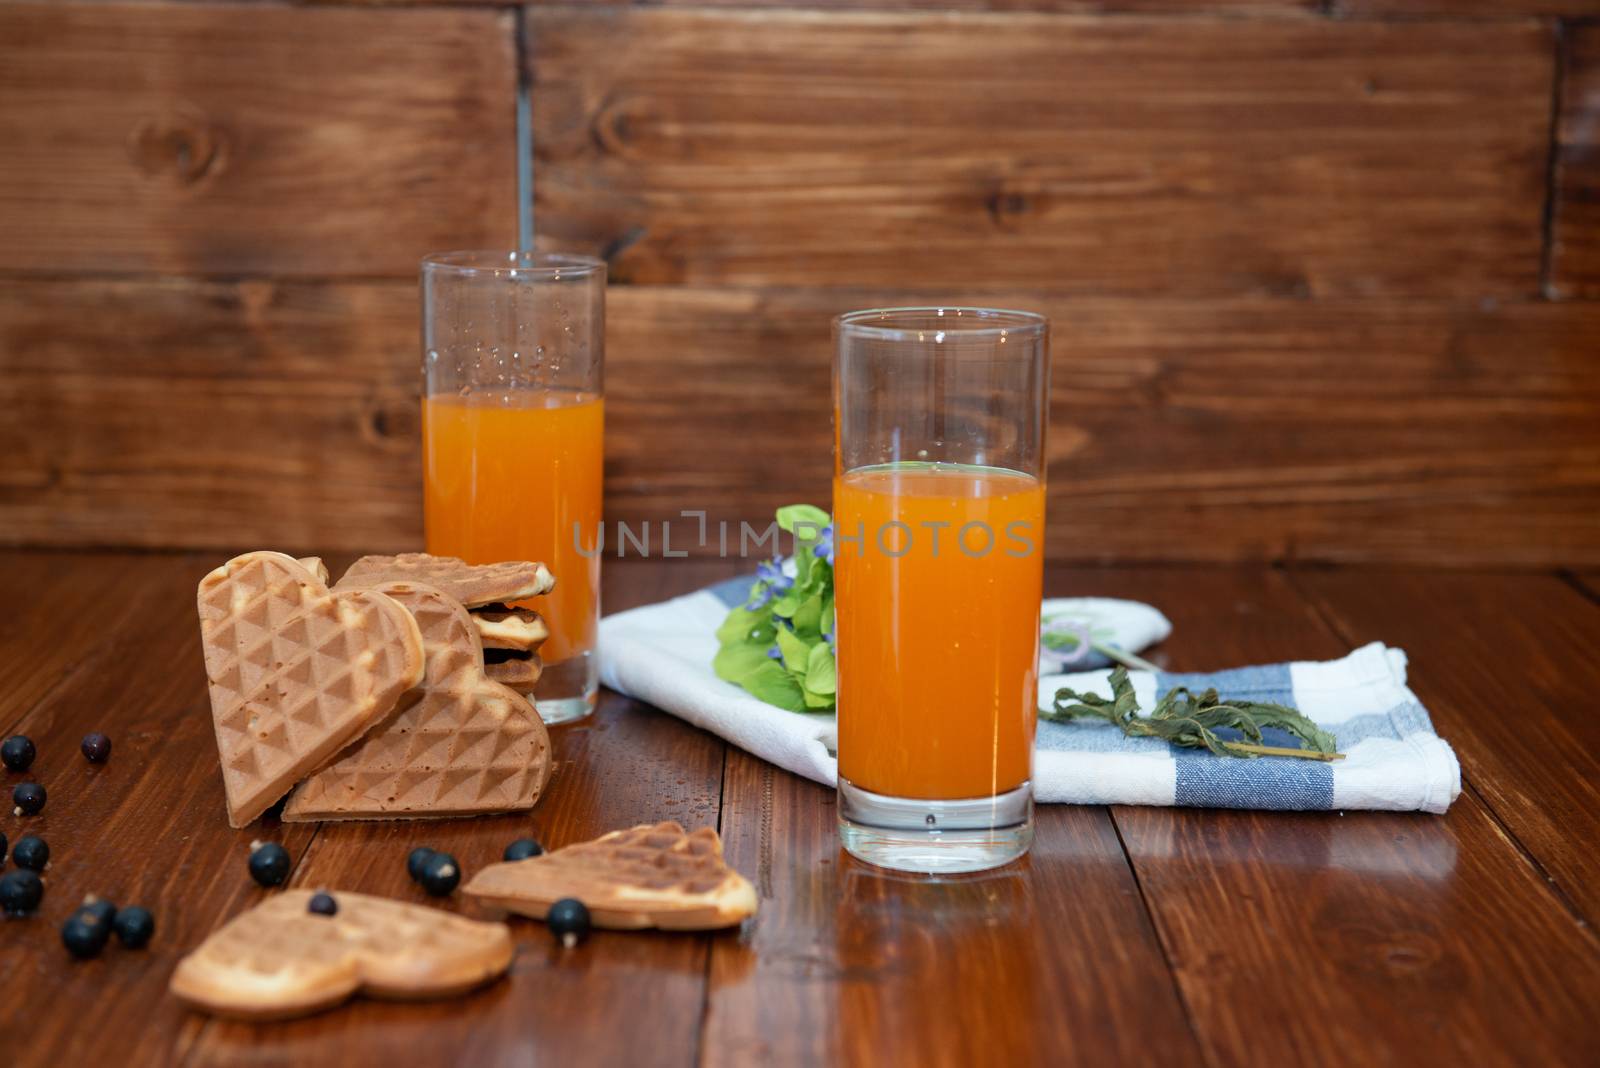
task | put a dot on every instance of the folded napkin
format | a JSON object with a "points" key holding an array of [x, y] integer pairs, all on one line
{"points": [[662, 653]]}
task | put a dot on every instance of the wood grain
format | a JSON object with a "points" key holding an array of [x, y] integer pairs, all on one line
{"points": [[847, 964], [1506, 665], [62, 611], [1466, 9], [1589, 583], [1362, 936], [1293, 938], [148, 827], [220, 414], [228, 139], [1104, 7], [1195, 156], [1575, 213], [258, 413]]}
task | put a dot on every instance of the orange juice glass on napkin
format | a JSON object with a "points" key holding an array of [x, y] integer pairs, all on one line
{"points": [[513, 437], [938, 511]]}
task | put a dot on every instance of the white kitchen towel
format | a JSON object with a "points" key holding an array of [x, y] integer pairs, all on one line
{"points": [[662, 653]]}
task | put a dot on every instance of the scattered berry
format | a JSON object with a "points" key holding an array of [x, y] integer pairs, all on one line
{"points": [[322, 904], [441, 874], [84, 935], [96, 747], [522, 849], [569, 921], [20, 891], [28, 797], [17, 752], [135, 926], [31, 852], [104, 911], [269, 863], [417, 862]]}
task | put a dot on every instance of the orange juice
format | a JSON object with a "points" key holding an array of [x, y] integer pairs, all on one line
{"points": [[937, 640], [506, 476]]}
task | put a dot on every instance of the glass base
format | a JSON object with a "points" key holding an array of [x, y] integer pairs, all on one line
{"points": [[567, 690], [937, 837]]}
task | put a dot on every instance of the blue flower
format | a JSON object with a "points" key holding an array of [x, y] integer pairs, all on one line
{"points": [[771, 572], [824, 546], [774, 653], [760, 596]]}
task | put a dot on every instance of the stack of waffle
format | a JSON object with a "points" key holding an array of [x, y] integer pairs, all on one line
{"points": [[374, 696]]}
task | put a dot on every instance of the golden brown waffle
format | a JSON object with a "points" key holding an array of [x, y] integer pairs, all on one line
{"points": [[315, 565], [519, 629], [280, 959], [472, 585], [647, 876], [296, 672], [521, 673], [468, 746]]}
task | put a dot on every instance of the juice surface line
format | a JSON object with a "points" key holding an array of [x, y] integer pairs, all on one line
{"points": [[507, 475], [937, 646]]}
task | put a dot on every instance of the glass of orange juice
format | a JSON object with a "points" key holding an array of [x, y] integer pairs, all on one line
{"points": [[938, 513], [513, 422]]}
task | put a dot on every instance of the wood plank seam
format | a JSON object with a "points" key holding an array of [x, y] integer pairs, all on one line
{"points": [[1201, 1045], [699, 1052], [210, 1022], [1575, 580], [1558, 77], [1467, 786]]}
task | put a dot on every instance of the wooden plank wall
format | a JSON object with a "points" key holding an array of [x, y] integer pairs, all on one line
{"points": [[1322, 275]]}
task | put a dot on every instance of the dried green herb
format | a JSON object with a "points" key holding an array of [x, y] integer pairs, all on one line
{"points": [[1184, 718]]}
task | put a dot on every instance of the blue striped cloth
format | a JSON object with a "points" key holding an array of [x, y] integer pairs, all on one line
{"points": [[1393, 758], [661, 653]]}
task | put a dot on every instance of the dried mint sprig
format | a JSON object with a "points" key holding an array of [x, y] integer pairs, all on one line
{"points": [[1184, 718]]}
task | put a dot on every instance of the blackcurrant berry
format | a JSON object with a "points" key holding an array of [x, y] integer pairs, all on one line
{"points": [[17, 752], [135, 926], [569, 921], [417, 862], [269, 863], [441, 874], [31, 852], [96, 747], [522, 849]]}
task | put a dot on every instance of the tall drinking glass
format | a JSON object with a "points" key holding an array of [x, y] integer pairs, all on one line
{"points": [[512, 429], [938, 510]]}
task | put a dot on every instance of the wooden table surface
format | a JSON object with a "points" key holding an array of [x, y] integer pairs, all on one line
{"points": [[1129, 935]]}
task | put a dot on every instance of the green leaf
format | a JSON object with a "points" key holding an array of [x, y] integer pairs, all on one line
{"points": [[822, 673], [794, 650], [772, 684], [746, 636], [816, 702], [793, 514], [733, 663], [807, 618], [743, 625]]}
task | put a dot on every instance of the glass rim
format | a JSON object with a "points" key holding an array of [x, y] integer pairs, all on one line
{"points": [[508, 262], [965, 320]]}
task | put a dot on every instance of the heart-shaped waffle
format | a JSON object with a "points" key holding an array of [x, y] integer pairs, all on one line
{"points": [[471, 584], [652, 875], [280, 959], [519, 629], [468, 746], [296, 671]]}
